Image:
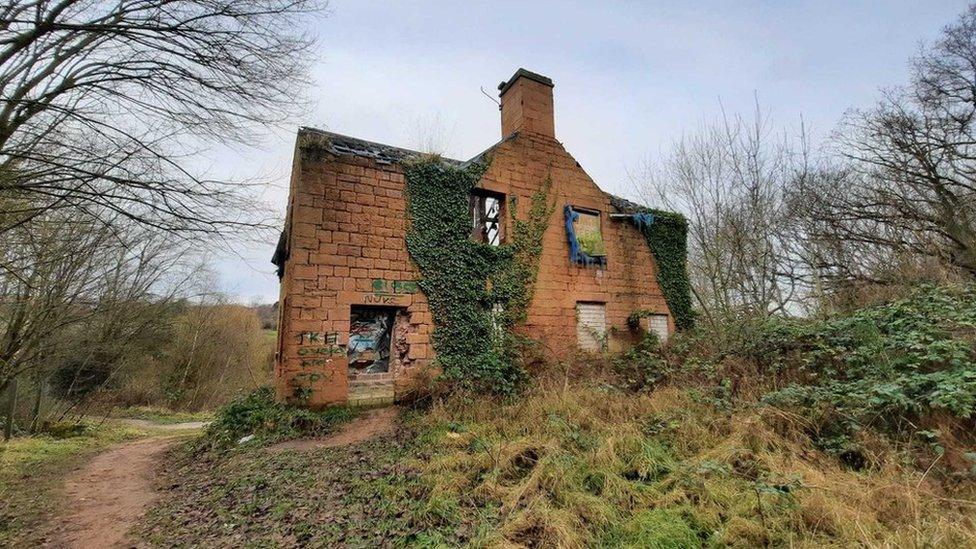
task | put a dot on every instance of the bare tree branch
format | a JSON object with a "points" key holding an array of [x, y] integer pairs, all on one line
{"points": [[98, 101]]}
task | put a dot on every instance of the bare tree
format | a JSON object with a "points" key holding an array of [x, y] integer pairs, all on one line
{"points": [[63, 269], [431, 134], [731, 179], [909, 192], [101, 101]]}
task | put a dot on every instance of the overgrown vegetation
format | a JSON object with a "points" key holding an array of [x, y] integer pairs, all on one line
{"points": [[583, 465], [586, 457], [178, 358], [214, 354], [850, 430], [465, 281], [260, 418], [904, 369], [362, 496], [886, 366], [907, 368]]}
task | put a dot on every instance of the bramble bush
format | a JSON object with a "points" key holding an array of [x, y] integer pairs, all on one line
{"points": [[885, 365], [888, 367]]}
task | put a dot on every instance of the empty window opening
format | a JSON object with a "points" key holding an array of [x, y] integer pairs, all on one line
{"points": [[591, 325], [370, 330], [585, 237], [486, 216], [658, 325], [588, 233]]}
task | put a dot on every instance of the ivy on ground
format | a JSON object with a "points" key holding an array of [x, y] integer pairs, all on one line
{"points": [[464, 280], [667, 236]]}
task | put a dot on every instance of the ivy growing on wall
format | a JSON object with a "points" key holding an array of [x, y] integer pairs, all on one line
{"points": [[515, 282], [666, 234], [465, 280]]}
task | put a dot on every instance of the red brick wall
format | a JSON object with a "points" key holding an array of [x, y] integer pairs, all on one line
{"points": [[527, 107], [627, 283], [347, 218]]}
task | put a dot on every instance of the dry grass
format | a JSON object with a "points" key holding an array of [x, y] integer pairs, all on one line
{"points": [[574, 465]]}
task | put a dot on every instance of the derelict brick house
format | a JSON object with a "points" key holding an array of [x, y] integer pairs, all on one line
{"points": [[353, 322]]}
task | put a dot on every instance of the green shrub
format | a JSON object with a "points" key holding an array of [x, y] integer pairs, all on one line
{"points": [[886, 365], [260, 415], [641, 366], [891, 368]]}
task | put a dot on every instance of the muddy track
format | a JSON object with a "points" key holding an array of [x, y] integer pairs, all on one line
{"points": [[371, 424], [105, 498]]}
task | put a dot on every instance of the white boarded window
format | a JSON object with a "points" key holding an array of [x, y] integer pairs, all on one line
{"points": [[658, 325], [591, 325]]}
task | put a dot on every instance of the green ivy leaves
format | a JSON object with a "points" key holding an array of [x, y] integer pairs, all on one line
{"points": [[667, 237], [464, 280]]}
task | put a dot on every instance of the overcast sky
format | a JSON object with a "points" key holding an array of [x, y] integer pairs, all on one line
{"points": [[630, 78]]}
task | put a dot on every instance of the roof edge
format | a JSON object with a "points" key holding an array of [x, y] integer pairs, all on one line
{"points": [[347, 145], [624, 206]]}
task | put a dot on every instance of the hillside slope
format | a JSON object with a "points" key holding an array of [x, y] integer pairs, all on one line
{"points": [[851, 431]]}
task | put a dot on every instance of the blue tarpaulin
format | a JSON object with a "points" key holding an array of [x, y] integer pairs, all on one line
{"points": [[642, 220]]}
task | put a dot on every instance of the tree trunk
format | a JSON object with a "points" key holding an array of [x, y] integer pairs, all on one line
{"points": [[8, 428], [36, 412]]}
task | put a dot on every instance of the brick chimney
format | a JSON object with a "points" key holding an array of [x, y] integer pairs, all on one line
{"points": [[527, 104]]}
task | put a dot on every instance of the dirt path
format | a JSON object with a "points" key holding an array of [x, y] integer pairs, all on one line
{"points": [[108, 495], [371, 424], [145, 423]]}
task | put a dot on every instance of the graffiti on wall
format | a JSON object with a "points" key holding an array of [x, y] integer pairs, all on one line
{"points": [[395, 287], [380, 299], [318, 348], [390, 292], [312, 338], [303, 378], [313, 362]]}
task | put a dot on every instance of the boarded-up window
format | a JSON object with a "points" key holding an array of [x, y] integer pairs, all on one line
{"points": [[369, 339], [591, 325], [486, 216], [658, 325], [589, 234]]}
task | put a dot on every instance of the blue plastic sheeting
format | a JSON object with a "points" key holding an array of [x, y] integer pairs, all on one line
{"points": [[576, 254], [642, 220]]}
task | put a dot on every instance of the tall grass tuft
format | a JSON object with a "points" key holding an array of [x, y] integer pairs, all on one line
{"points": [[578, 463]]}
